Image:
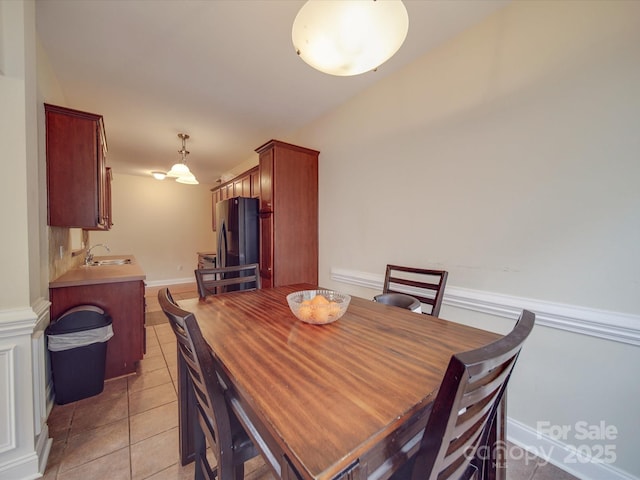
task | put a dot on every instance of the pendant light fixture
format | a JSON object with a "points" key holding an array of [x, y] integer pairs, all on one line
{"points": [[349, 37], [180, 171]]}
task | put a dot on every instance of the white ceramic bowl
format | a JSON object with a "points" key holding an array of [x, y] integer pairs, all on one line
{"points": [[318, 307]]}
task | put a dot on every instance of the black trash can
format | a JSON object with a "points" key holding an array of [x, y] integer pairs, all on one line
{"points": [[77, 343]]}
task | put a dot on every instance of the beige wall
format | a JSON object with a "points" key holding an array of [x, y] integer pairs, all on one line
{"points": [[162, 223], [15, 154], [509, 156]]}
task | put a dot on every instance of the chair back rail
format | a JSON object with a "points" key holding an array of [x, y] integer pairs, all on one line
{"points": [[424, 284], [464, 409], [212, 281], [217, 422]]}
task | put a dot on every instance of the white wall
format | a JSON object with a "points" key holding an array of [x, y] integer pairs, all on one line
{"points": [[24, 313], [510, 157], [163, 223]]}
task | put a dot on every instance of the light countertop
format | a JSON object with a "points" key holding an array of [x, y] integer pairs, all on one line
{"points": [[91, 275]]}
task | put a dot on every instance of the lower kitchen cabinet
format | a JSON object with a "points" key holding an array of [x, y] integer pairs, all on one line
{"points": [[124, 302]]}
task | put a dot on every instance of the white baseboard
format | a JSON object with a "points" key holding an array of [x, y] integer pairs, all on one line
{"points": [[174, 281], [604, 324], [43, 448], [21, 468], [562, 455]]}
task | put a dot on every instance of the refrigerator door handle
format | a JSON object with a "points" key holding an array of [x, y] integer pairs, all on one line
{"points": [[222, 246]]}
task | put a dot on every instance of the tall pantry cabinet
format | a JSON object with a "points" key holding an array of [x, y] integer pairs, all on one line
{"points": [[288, 214]]}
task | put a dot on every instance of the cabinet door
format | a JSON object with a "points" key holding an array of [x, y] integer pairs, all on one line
{"points": [[255, 184], [124, 302], [76, 169], [237, 188], [266, 249], [103, 181], [246, 186], [72, 171], [107, 196], [215, 198], [266, 180]]}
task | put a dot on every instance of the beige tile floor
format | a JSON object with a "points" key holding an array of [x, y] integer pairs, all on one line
{"points": [[130, 430]]}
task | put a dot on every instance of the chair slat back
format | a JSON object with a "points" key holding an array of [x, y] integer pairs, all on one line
{"points": [[212, 281], [424, 284], [466, 406], [208, 390]]}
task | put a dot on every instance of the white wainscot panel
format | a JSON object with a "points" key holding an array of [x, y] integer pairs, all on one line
{"points": [[7, 399]]}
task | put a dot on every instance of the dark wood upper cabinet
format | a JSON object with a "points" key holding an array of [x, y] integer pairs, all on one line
{"points": [[78, 183], [244, 185]]}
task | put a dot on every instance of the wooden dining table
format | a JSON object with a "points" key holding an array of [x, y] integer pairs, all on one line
{"points": [[327, 401]]}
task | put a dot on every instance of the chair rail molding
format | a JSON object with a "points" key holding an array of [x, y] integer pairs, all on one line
{"points": [[604, 324]]}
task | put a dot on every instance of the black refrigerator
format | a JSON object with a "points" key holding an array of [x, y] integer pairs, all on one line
{"points": [[237, 227]]}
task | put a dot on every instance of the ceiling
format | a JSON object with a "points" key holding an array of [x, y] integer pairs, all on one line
{"points": [[223, 71]]}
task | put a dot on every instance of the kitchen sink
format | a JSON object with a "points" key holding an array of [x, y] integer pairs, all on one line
{"points": [[110, 261]]}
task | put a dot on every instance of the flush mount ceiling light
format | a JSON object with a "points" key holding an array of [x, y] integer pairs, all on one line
{"points": [[158, 175], [180, 171], [349, 37]]}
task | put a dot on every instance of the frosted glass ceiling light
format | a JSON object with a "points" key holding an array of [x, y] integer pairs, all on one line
{"points": [[180, 171], [188, 179], [159, 175], [349, 37]]}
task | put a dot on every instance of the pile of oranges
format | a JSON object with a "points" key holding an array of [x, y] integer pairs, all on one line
{"points": [[318, 309]]}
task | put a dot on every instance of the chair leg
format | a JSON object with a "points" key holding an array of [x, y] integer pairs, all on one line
{"points": [[239, 472]]}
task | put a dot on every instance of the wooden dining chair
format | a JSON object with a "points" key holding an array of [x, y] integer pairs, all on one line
{"points": [[212, 281], [424, 284], [217, 426], [464, 409]]}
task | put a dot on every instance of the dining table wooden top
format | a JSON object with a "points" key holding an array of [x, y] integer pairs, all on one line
{"points": [[330, 396]]}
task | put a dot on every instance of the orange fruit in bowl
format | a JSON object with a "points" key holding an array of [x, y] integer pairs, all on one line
{"points": [[334, 308], [319, 300], [321, 314], [305, 312]]}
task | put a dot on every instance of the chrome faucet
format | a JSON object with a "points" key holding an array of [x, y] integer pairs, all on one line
{"points": [[89, 256]]}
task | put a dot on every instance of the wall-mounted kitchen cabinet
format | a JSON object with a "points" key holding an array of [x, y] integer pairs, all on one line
{"points": [[244, 185], [288, 214], [78, 181]]}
